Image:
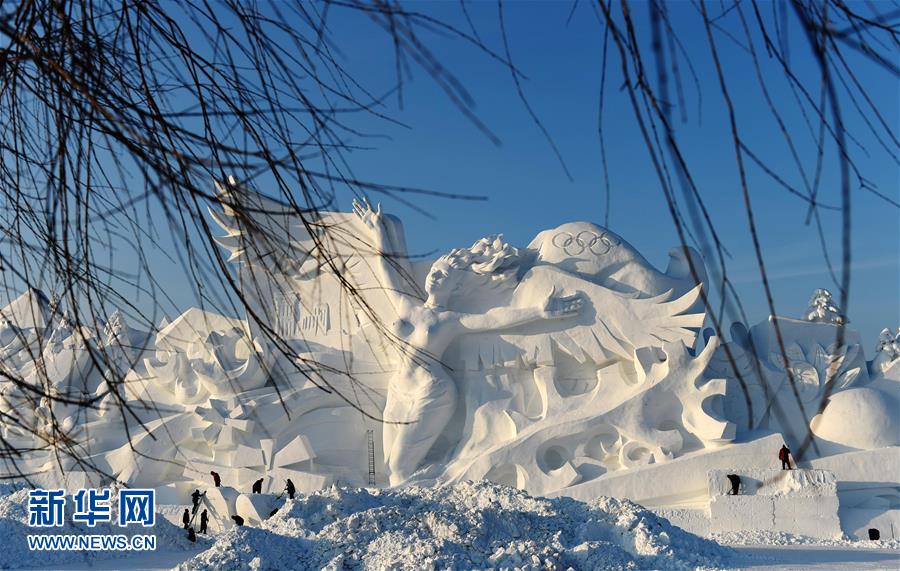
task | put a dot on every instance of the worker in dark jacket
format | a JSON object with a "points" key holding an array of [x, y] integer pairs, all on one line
{"points": [[186, 518], [291, 490], [204, 519], [195, 500], [257, 486], [735, 484], [216, 479]]}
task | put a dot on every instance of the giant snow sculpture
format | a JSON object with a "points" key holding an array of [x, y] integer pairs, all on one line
{"points": [[569, 366], [491, 343]]}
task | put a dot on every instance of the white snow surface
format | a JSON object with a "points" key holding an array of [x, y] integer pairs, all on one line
{"points": [[471, 525], [779, 538]]}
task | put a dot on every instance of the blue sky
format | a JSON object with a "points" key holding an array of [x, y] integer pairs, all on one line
{"points": [[528, 190]]}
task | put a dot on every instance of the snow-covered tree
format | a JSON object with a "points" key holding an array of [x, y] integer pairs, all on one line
{"points": [[887, 352], [889, 343], [823, 309]]}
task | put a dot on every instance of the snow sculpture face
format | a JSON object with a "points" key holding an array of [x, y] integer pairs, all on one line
{"points": [[441, 282]]}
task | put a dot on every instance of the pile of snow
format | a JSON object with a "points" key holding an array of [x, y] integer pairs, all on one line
{"points": [[14, 530], [463, 526], [758, 537]]}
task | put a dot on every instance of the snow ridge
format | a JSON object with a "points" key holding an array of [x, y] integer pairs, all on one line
{"points": [[472, 525]]}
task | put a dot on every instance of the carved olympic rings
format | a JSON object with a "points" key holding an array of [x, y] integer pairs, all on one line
{"points": [[597, 244]]}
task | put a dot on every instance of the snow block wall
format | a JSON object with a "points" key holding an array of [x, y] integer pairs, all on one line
{"points": [[867, 489], [801, 502], [221, 504], [256, 508]]}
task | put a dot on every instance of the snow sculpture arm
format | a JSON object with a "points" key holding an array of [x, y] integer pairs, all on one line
{"points": [[552, 307], [392, 266]]}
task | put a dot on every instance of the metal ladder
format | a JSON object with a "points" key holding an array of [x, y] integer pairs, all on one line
{"points": [[370, 440], [196, 514]]}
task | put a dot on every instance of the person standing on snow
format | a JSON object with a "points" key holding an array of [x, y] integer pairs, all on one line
{"points": [[785, 456], [291, 490]]}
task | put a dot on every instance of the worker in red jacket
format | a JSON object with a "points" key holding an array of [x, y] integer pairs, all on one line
{"points": [[785, 456]]}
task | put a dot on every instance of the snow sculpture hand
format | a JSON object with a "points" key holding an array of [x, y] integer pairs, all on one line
{"points": [[371, 218], [558, 307]]}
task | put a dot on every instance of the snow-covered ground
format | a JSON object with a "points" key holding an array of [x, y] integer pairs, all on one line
{"points": [[815, 557], [756, 558], [781, 539], [767, 550], [465, 526]]}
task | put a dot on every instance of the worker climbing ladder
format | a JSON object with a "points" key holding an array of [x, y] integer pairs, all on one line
{"points": [[370, 438], [195, 513]]}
